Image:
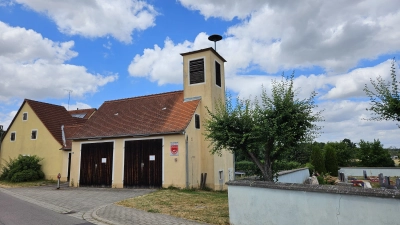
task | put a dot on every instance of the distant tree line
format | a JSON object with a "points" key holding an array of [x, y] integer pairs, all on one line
{"points": [[328, 157]]}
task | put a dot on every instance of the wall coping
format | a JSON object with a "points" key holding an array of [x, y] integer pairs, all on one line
{"points": [[290, 171], [379, 168], [332, 189]]}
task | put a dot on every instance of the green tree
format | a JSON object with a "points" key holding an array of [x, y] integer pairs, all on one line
{"points": [[263, 131], [346, 152], [331, 163], [317, 159], [385, 98], [374, 155]]}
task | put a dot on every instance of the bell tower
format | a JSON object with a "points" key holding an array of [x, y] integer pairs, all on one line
{"points": [[204, 76], [204, 79]]}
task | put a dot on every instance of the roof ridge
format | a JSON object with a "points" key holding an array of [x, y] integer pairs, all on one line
{"points": [[144, 96], [79, 109], [30, 100]]}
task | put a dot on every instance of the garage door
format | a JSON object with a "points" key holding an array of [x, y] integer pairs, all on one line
{"points": [[96, 164], [143, 163]]}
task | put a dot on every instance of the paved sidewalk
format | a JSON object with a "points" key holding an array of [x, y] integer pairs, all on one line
{"points": [[95, 205]]}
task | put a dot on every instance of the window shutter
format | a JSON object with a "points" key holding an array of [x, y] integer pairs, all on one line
{"points": [[217, 74], [196, 71]]}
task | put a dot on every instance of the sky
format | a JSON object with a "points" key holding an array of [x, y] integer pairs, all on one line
{"points": [[79, 54]]}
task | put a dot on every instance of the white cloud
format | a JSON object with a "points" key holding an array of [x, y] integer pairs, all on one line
{"points": [[77, 105], [97, 18], [164, 65], [34, 67], [334, 35], [5, 119], [349, 119], [226, 9]]}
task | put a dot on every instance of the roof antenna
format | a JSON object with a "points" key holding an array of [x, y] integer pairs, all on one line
{"points": [[215, 38], [69, 95]]}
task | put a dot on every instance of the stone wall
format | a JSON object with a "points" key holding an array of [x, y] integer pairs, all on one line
{"points": [[257, 202]]}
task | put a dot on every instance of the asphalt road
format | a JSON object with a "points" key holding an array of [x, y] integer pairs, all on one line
{"points": [[18, 212]]}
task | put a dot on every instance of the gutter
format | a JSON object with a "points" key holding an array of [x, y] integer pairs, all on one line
{"points": [[126, 135]]}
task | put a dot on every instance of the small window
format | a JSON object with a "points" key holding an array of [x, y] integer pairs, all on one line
{"points": [[197, 121], [196, 71], [34, 135], [221, 174], [25, 116], [217, 74], [13, 136]]}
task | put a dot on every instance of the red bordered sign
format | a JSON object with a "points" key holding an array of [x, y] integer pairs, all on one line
{"points": [[174, 149]]}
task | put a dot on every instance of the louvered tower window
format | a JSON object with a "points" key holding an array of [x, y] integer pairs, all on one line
{"points": [[196, 71], [217, 74]]}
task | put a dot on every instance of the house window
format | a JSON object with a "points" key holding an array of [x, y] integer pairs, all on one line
{"points": [[13, 136], [217, 74], [25, 116], [34, 135], [196, 71], [197, 121]]}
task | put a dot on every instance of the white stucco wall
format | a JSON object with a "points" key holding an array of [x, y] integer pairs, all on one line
{"points": [[259, 205], [297, 176], [371, 171]]}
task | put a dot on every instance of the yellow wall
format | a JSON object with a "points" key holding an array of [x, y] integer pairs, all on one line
{"points": [[45, 146], [210, 94], [174, 167]]}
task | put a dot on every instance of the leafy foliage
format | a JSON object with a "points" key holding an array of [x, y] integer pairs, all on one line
{"points": [[385, 98], [251, 169], [346, 152], [374, 155], [331, 164], [263, 131], [317, 160], [23, 168]]}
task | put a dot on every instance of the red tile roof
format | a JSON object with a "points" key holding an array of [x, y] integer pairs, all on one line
{"points": [[86, 112], [146, 115], [53, 117]]}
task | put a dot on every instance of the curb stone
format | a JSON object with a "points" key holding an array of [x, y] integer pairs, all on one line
{"points": [[91, 216]]}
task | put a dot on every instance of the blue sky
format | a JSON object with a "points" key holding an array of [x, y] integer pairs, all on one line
{"points": [[104, 50]]}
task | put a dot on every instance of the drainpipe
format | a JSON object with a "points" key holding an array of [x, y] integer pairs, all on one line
{"points": [[187, 162]]}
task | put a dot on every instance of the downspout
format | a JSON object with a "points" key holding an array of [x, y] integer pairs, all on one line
{"points": [[63, 136], [187, 162]]}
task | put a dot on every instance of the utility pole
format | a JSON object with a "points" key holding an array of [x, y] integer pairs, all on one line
{"points": [[69, 95]]}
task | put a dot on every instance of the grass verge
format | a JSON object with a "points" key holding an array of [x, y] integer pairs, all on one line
{"points": [[7, 184], [204, 206]]}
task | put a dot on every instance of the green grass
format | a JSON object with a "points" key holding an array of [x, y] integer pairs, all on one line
{"points": [[204, 206], [7, 184]]}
